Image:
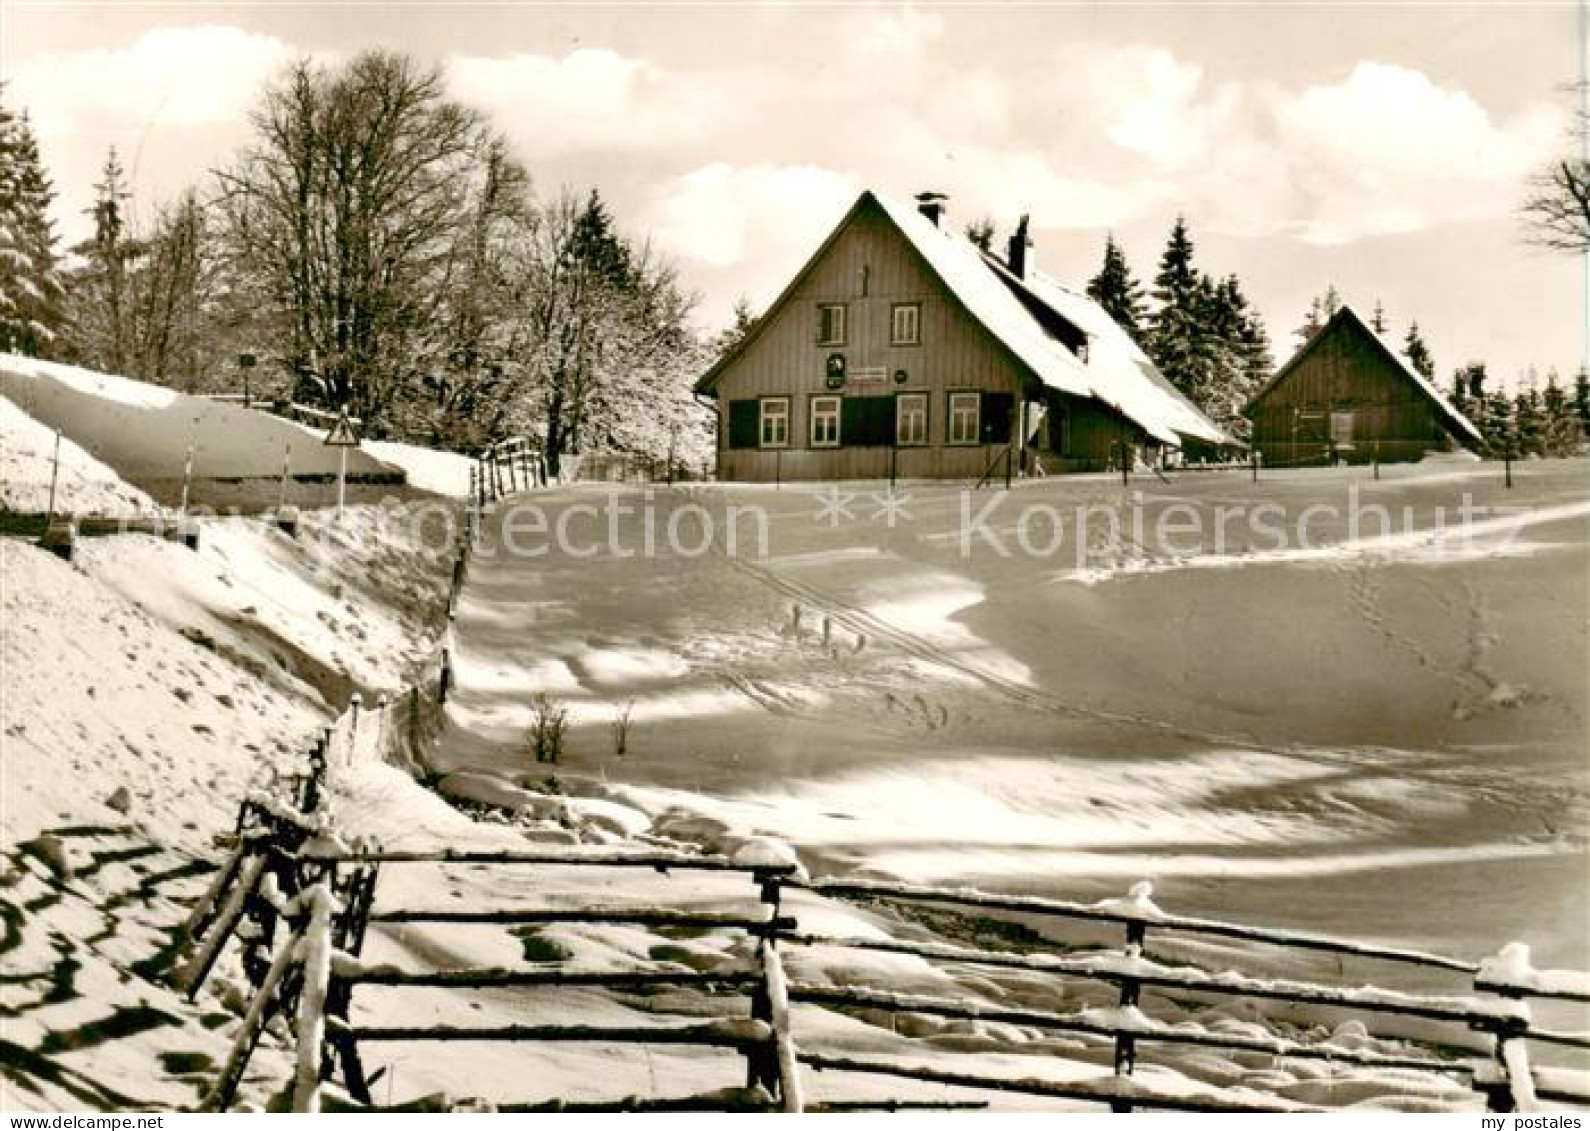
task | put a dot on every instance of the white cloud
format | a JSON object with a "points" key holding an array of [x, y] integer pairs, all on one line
{"points": [[174, 76], [1387, 150], [590, 100], [719, 215], [888, 36]]}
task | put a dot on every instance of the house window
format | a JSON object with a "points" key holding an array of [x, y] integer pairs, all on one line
{"points": [[775, 422], [910, 419], [830, 323], [905, 324], [964, 417], [825, 422]]}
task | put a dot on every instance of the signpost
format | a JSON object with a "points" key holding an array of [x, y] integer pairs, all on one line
{"points": [[187, 480], [245, 362], [342, 437], [55, 475]]}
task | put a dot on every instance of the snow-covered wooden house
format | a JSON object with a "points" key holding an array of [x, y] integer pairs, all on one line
{"points": [[1348, 396], [902, 348]]}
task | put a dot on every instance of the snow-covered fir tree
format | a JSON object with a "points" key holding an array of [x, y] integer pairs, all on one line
{"points": [[1581, 399], [1175, 340], [1321, 309], [1417, 353], [1204, 336], [1562, 422], [1529, 419], [1468, 389], [1497, 426], [1118, 291], [30, 278], [98, 300]]}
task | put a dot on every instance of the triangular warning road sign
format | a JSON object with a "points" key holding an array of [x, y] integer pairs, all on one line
{"points": [[342, 434]]}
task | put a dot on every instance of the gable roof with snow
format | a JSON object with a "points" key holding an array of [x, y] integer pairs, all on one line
{"points": [[1116, 372], [1120, 373], [1454, 421]]}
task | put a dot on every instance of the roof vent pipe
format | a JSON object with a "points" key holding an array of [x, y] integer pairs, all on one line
{"points": [[1016, 250], [933, 205]]}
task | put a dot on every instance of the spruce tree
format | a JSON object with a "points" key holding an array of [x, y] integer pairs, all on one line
{"points": [[1468, 389], [1562, 422], [1417, 353], [1176, 341], [1244, 353], [1117, 291], [1581, 399], [99, 302], [1529, 420], [1321, 309], [1377, 321], [1497, 426], [30, 281]]}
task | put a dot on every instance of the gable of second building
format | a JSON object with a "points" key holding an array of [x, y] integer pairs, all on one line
{"points": [[1342, 398]]}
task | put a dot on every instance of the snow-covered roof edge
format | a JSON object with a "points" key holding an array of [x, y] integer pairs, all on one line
{"points": [[976, 282], [1455, 420], [1117, 365]]}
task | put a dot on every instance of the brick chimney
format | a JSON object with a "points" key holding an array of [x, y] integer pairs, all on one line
{"points": [[933, 205], [1016, 250]]}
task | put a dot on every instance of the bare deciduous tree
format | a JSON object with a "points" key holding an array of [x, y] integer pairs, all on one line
{"points": [[1557, 210], [345, 211]]}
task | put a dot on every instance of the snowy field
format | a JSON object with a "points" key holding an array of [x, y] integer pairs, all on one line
{"points": [[1375, 733], [1374, 736]]}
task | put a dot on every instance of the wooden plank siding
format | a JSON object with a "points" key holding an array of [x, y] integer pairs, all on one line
{"points": [[1345, 371], [869, 266]]}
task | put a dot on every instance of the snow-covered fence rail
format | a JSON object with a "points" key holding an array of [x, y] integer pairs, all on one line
{"points": [[763, 1038], [508, 466], [1136, 908], [1495, 1008], [1492, 1060]]}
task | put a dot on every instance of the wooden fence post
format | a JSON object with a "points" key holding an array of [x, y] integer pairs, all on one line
{"points": [[204, 911], [357, 895], [309, 798], [317, 955], [762, 1061], [198, 967], [267, 1000], [1125, 1043], [1509, 1085]]}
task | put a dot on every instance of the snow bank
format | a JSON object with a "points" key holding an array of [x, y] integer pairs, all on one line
{"points": [[444, 473], [1510, 969], [84, 485], [301, 608], [100, 695], [144, 431]]}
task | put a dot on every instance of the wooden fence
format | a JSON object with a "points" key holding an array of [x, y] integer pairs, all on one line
{"points": [[505, 468], [322, 896]]}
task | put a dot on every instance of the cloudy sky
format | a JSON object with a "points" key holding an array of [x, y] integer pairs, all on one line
{"points": [[1382, 148]]}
